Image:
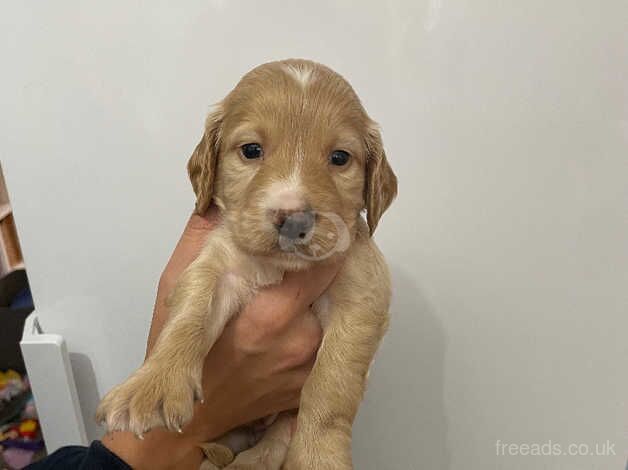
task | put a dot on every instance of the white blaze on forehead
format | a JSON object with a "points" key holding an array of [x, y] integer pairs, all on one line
{"points": [[302, 74], [285, 194]]}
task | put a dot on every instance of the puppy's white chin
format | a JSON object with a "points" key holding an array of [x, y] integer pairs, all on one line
{"points": [[288, 245]]}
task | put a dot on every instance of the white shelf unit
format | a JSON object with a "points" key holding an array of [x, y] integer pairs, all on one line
{"points": [[50, 373]]}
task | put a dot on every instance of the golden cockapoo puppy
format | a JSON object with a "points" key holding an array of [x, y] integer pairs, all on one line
{"points": [[291, 159]]}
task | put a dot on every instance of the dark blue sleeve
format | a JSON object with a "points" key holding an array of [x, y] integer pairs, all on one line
{"points": [[94, 457]]}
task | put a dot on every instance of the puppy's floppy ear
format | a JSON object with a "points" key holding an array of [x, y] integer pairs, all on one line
{"points": [[202, 164], [381, 182]]}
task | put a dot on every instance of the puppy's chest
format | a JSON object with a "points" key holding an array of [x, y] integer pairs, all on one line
{"points": [[239, 285]]}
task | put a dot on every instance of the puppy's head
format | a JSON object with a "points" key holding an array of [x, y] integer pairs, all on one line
{"points": [[291, 158]]}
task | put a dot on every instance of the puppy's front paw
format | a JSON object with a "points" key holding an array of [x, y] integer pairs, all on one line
{"points": [[151, 398]]}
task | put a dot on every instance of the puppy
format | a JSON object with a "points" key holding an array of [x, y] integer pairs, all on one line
{"points": [[291, 159]]}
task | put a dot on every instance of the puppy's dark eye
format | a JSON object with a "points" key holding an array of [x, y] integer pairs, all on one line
{"points": [[252, 151], [339, 157]]}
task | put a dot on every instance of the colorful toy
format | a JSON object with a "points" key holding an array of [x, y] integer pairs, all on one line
{"points": [[19, 441], [28, 428], [11, 384]]}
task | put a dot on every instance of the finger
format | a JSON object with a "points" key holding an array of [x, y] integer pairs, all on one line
{"points": [[203, 222], [292, 381], [302, 374], [293, 425], [191, 242], [298, 345], [289, 403]]}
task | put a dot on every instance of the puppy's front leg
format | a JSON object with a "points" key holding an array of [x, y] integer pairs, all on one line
{"points": [[163, 390], [354, 325]]}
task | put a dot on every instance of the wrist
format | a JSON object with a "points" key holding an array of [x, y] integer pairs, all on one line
{"points": [[159, 449], [162, 449]]}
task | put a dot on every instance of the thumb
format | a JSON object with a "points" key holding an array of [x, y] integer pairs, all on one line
{"points": [[191, 242]]}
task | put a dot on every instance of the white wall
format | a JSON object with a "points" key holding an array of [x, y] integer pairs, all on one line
{"points": [[507, 123]]}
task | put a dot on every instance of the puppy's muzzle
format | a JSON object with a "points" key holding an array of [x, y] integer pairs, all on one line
{"points": [[294, 225]]}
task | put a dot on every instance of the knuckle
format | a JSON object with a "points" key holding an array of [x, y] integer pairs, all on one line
{"points": [[267, 324], [312, 333], [312, 342], [261, 329], [270, 323], [247, 336], [297, 355], [299, 380], [316, 334], [301, 350], [254, 333], [295, 402]]}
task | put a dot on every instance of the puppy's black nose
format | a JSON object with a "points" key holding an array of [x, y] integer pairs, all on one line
{"points": [[294, 225]]}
